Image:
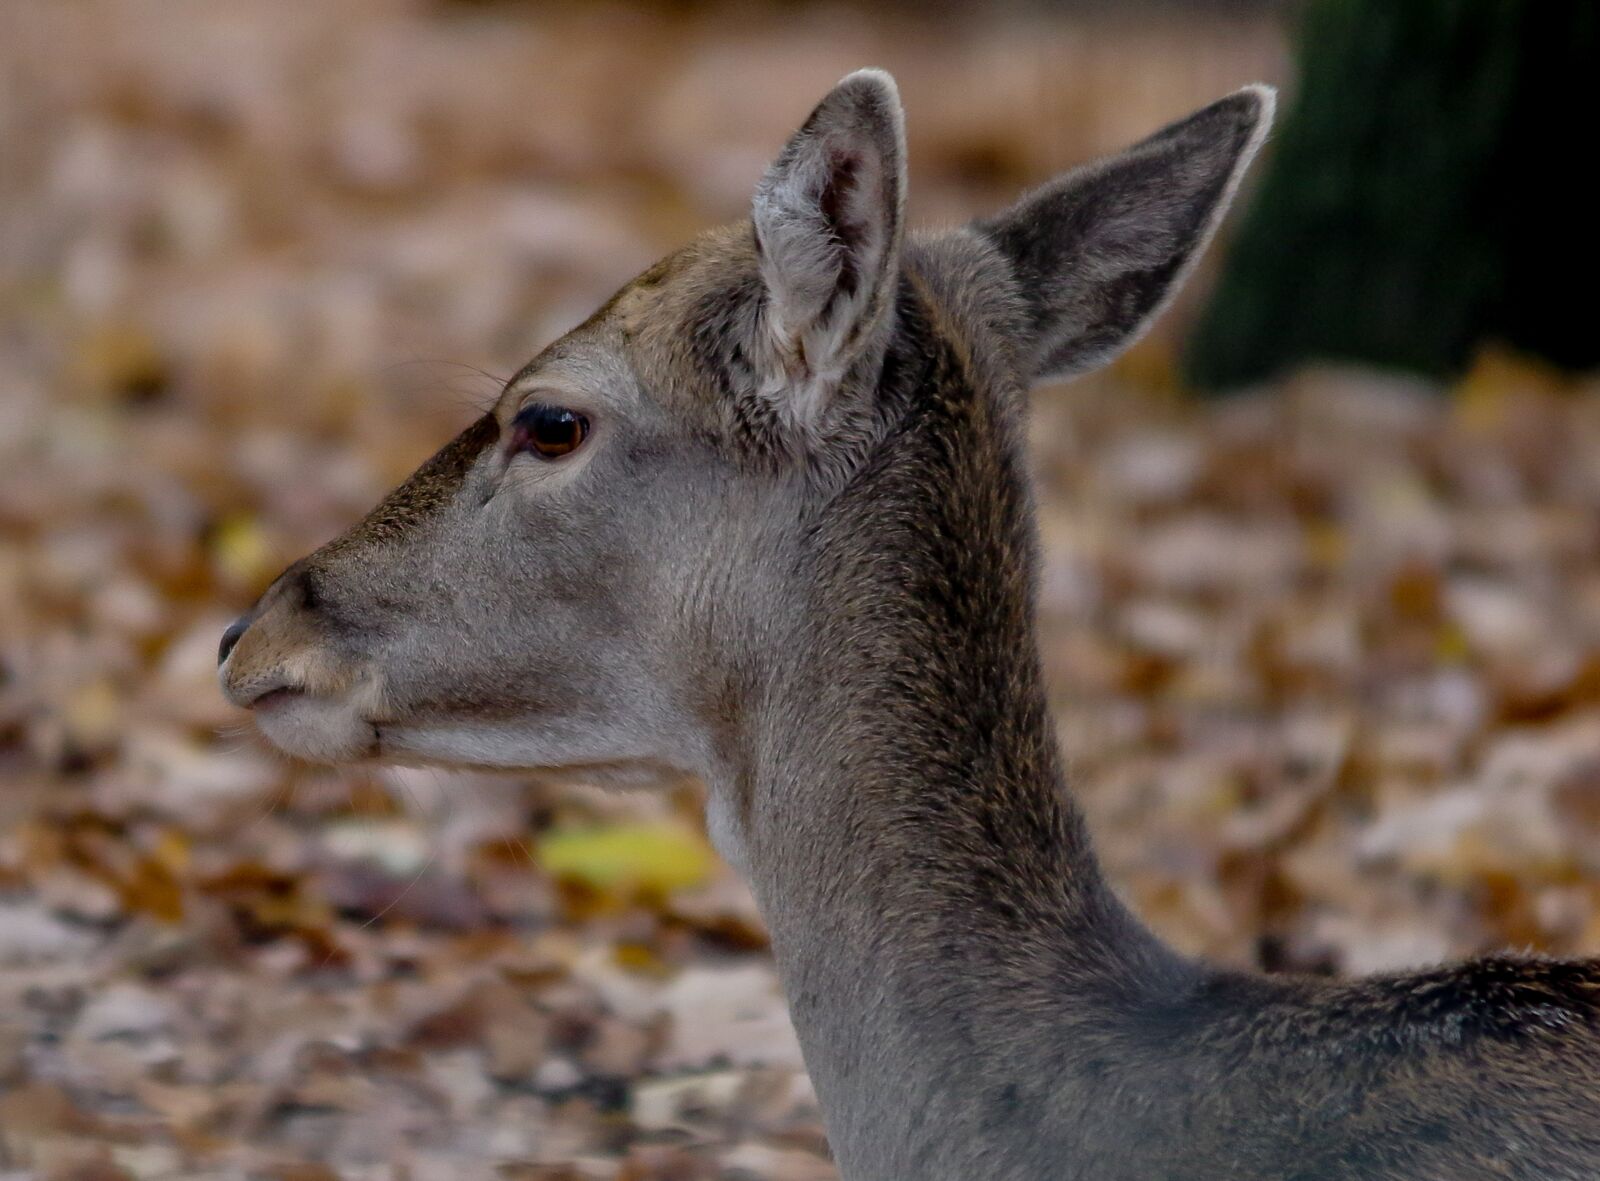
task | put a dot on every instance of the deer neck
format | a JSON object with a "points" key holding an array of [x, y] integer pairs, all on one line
{"points": [[934, 905]]}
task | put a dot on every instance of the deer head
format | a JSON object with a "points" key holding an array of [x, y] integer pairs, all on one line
{"points": [[605, 571]]}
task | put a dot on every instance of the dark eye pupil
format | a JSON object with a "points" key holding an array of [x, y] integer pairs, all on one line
{"points": [[550, 431]]}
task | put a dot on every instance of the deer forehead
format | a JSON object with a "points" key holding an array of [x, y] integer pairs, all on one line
{"points": [[666, 346], [689, 322]]}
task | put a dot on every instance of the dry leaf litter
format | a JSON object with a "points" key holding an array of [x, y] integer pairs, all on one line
{"points": [[1326, 656]]}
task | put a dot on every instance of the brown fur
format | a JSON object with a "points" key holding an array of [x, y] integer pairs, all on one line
{"points": [[825, 607]]}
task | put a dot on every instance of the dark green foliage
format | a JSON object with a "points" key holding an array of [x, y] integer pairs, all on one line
{"points": [[1428, 191]]}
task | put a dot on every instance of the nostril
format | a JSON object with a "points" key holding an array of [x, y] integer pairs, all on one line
{"points": [[231, 637]]}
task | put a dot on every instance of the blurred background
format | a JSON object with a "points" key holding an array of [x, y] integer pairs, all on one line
{"points": [[1321, 592]]}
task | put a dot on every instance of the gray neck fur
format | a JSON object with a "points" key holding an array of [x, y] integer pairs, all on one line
{"points": [[905, 824]]}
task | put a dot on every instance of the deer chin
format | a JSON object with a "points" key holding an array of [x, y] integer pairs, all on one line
{"points": [[316, 729], [490, 746]]}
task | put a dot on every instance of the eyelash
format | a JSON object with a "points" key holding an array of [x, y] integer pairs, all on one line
{"points": [[548, 432]]}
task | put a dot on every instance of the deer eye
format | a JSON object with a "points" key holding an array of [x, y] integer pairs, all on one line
{"points": [[550, 432]]}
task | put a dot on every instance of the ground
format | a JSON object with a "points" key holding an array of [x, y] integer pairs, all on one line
{"points": [[1326, 655]]}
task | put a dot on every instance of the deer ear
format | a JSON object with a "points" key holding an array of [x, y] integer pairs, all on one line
{"points": [[827, 218], [1098, 251]]}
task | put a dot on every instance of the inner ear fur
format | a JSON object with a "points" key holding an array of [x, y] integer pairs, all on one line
{"points": [[828, 219]]}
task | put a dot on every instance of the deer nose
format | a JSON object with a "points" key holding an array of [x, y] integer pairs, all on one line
{"points": [[231, 637]]}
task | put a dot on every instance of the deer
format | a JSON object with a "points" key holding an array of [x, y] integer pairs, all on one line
{"points": [[764, 519]]}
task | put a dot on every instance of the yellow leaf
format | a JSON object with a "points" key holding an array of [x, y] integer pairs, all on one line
{"points": [[641, 959], [1151, 364], [93, 714], [240, 551], [652, 856], [1451, 645], [154, 891], [171, 851], [1326, 545], [1483, 395], [121, 358]]}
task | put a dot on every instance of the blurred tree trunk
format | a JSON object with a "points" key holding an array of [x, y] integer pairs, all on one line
{"points": [[1423, 195]]}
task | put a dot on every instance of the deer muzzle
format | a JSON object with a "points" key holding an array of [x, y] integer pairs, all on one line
{"points": [[309, 700]]}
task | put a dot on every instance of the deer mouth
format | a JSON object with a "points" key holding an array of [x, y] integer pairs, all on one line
{"points": [[276, 697]]}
